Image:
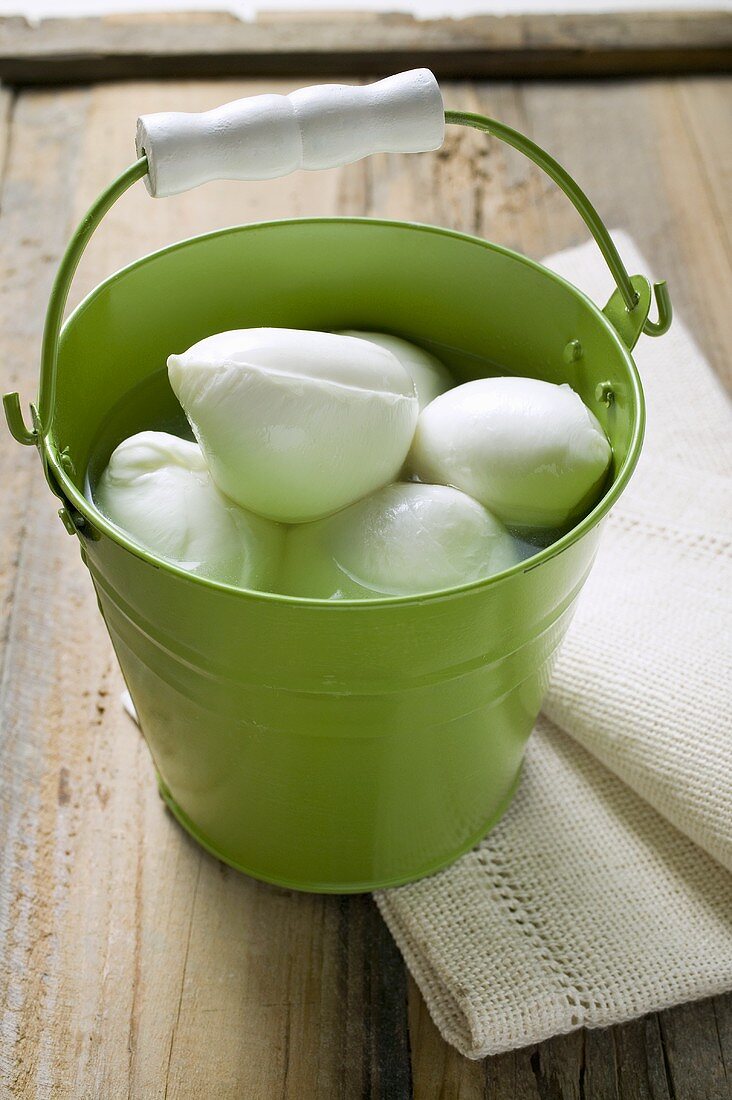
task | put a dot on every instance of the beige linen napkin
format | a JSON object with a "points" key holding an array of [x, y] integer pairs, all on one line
{"points": [[605, 891]]}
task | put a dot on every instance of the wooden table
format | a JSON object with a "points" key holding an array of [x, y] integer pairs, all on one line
{"points": [[133, 964]]}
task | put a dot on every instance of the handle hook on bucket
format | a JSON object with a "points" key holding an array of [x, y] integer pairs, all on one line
{"points": [[16, 423], [665, 311]]}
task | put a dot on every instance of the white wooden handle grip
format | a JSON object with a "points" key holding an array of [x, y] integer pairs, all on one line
{"points": [[272, 135]]}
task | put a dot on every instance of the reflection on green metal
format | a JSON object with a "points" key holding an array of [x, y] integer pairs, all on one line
{"points": [[629, 323]]}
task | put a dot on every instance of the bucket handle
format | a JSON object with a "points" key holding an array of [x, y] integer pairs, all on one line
{"points": [[321, 126]]}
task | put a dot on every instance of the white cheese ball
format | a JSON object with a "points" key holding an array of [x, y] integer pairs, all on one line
{"points": [[157, 488], [430, 376], [403, 540], [296, 424], [530, 451]]}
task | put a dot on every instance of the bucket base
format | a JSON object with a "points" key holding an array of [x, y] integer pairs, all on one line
{"points": [[336, 887]]}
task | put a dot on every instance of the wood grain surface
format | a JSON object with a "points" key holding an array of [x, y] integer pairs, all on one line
{"points": [[535, 44], [132, 964]]}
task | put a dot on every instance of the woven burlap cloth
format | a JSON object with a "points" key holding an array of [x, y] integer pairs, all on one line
{"points": [[605, 892]]}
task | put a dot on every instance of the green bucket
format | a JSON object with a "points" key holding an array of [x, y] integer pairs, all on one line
{"points": [[351, 745]]}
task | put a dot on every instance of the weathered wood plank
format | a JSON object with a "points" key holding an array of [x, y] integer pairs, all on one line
{"points": [[7, 101], [696, 1062], [706, 107], [723, 1020], [10, 537], [642, 1072], [528, 45], [26, 270], [38, 795], [600, 1072]]}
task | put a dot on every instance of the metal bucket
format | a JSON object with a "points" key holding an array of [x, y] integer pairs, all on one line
{"points": [[330, 746]]}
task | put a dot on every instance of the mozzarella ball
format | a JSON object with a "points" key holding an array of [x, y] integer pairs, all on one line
{"points": [[157, 488], [296, 424], [429, 375], [402, 540], [530, 451]]}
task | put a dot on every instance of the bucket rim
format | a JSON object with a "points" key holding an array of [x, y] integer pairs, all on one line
{"points": [[99, 521]]}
